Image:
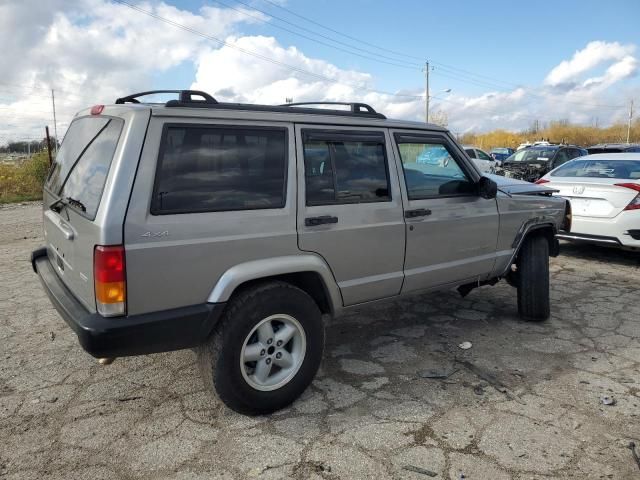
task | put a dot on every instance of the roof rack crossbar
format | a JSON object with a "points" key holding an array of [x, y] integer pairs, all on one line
{"points": [[354, 106], [184, 97]]}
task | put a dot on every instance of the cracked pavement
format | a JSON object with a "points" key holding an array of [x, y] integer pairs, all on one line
{"points": [[524, 402]]}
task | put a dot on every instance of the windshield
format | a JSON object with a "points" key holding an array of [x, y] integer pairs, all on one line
{"points": [[532, 155], [623, 169], [500, 150], [81, 167]]}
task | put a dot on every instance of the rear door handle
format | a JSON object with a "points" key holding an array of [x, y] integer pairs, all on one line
{"points": [[419, 212], [323, 220]]}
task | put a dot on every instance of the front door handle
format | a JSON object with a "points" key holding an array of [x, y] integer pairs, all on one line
{"points": [[323, 220], [419, 212]]}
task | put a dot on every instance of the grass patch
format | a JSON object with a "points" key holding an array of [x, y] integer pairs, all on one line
{"points": [[24, 181]]}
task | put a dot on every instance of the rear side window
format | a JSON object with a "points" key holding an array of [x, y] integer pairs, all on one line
{"points": [[212, 169], [82, 165], [345, 167], [623, 169]]}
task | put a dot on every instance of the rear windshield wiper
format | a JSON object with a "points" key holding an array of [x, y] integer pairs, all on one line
{"points": [[57, 205], [64, 201]]}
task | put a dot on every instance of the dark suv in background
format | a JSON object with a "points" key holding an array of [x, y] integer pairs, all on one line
{"points": [[614, 148], [533, 162]]}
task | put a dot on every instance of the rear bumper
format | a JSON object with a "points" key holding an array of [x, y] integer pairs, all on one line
{"points": [[620, 231], [583, 237], [131, 335]]}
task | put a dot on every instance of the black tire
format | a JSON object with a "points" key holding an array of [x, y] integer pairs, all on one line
{"points": [[219, 358], [533, 279]]}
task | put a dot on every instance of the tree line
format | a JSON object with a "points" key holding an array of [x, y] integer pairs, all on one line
{"points": [[32, 146], [561, 131]]}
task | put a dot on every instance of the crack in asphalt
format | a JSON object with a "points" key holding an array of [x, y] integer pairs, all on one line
{"points": [[367, 415]]}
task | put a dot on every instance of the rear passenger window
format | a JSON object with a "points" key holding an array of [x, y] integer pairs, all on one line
{"points": [[211, 169], [345, 167]]}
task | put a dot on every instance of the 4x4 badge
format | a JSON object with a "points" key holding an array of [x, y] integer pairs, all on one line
{"points": [[155, 234], [578, 189]]}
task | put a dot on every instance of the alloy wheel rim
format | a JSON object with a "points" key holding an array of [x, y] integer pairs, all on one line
{"points": [[273, 352]]}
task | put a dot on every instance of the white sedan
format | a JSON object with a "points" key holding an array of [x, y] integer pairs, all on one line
{"points": [[604, 192], [482, 159]]}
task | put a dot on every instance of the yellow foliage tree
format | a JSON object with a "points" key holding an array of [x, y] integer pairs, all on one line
{"points": [[555, 132]]}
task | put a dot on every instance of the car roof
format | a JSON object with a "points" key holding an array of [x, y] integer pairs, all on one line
{"points": [[612, 156], [615, 145], [267, 113], [199, 105]]}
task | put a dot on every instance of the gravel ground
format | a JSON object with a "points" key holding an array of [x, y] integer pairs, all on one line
{"points": [[524, 402]]}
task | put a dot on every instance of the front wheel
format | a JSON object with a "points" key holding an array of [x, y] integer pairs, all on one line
{"points": [[266, 349], [533, 279]]}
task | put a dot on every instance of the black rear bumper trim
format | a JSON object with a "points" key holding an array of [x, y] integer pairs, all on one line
{"points": [[584, 237], [155, 332]]}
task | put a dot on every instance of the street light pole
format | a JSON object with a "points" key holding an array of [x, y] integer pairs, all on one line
{"points": [[426, 92]]}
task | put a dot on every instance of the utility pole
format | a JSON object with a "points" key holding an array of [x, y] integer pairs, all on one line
{"points": [[55, 124], [426, 92], [630, 117], [46, 129]]}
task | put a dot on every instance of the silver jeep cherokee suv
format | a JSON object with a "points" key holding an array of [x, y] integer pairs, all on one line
{"points": [[234, 228]]}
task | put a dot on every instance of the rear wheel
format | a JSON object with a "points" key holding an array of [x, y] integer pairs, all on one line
{"points": [[266, 349], [533, 279]]}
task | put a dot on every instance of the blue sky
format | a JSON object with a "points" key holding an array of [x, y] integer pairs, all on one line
{"points": [[507, 63], [514, 42]]}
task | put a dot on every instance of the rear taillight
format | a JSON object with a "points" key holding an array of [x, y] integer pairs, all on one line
{"points": [[635, 203], [97, 109], [541, 181], [110, 280]]}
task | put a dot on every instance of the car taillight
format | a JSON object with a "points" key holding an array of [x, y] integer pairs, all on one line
{"points": [[635, 203], [541, 181], [110, 278], [97, 109]]}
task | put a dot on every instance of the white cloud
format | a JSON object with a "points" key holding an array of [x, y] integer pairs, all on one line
{"points": [[593, 55], [93, 51], [90, 51], [235, 76]]}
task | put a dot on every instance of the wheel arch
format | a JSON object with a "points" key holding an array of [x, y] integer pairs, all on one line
{"points": [[545, 226], [308, 272]]}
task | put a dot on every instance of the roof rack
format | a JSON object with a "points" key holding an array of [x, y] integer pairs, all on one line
{"points": [[184, 97], [355, 107], [186, 100]]}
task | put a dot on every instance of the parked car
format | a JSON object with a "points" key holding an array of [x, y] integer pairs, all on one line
{"points": [[482, 159], [531, 163], [614, 148], [433, 156], [538, 143], [234, 228], [604, 192], [501, 154]]}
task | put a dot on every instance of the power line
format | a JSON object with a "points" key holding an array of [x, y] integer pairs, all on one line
{"points": [[404, 64], [257, 55], [453, 72], [343, 34]]}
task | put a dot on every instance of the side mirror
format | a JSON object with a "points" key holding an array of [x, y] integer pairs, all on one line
{"points": [[487, 188]]}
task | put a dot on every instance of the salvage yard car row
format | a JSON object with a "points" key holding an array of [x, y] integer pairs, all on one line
{"points": [[601, 182]]}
